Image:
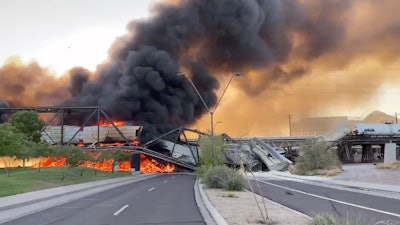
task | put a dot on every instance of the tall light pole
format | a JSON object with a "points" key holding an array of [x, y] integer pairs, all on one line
{"points": [[215, 125], [211, 112]]}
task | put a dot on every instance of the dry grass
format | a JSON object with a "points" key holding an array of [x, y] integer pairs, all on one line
{"points": [[334, 171], [392, 166], [230, 195], [327, 219]]}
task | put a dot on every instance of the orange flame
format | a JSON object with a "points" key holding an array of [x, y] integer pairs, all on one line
{"points": [[115, 144], [117, 123], [150, 165], [50, 162], [103, 166]]}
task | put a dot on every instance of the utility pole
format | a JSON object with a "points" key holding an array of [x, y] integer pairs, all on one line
{"points": [[211, 112], [290, 125]]}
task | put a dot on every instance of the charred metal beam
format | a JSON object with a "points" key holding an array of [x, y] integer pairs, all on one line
{"points": [[190, 148], [163, 135], [115, 127], [82, 125], [62, 127], [45, 126]]}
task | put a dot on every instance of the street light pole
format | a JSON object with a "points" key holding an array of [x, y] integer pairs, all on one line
{"points": [[216, 123], [211, 112]]}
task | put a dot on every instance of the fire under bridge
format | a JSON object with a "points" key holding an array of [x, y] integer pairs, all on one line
{"points": [[89, 114], [148, 152]]}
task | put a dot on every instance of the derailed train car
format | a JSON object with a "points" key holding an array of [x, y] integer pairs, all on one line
{"points": [[372, 129], [89, 134]]}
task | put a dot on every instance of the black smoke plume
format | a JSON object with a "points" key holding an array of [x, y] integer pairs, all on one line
{"points": [[3, 117], [275, 41], [140, 82]]}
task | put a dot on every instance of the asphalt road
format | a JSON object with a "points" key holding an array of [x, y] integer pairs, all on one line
{"points": [[312, 200], [165, 199]]}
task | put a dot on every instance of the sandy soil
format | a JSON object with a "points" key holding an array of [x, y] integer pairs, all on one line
{"points": [[242, 209]]}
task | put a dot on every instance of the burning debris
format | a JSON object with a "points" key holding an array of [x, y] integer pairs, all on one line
{"points": [[151, 165], [107, 165]]}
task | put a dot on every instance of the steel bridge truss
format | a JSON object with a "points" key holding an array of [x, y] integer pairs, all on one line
{"points": [[61, 114], [95, 113]]}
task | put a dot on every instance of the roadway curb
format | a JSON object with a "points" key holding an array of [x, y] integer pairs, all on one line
{"points": [[37, 206], [211, 211]]}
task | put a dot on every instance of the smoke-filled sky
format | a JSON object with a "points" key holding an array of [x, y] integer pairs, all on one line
{"points": [[304, 58], [64, 33]]}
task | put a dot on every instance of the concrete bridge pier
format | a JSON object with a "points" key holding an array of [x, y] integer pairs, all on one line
{"points": [[367, 154], [345, 153]]}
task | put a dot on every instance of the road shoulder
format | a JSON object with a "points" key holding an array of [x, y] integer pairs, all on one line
{"points": [[242, 208]]}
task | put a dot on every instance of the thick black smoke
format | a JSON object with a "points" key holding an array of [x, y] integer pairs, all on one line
{"points": [[147, 89], [3, 117], [79, 76], [140, 82]]}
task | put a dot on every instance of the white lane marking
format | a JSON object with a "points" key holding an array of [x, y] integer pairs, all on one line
{"points": [[120, 210], [151, 189], [165, 181], [330, 199]]}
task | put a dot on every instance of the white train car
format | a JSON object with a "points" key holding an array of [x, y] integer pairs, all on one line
{"points": [[52, 134], [372, 129], [90, 134]]}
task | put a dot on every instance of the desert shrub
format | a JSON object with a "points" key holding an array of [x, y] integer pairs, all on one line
{"points": [[316, 158], [201, 171], [327, 219], [212, 150], [235, 181], [215, 176], [392, 166], [224, 177]]}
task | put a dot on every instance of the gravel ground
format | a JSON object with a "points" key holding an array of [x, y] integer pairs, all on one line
{"points": [[242, 209]]}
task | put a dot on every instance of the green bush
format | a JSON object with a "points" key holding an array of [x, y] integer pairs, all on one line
{"points": [[215, 176], [235, 182], [212, 150], [316, 159], [333, 220], [223, 177], [201, 171]]}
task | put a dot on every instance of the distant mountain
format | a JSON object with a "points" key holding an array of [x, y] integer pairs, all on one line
{"points": [[379, 117]]}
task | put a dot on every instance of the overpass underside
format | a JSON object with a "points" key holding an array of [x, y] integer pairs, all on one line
{"points": [[372, 148]]}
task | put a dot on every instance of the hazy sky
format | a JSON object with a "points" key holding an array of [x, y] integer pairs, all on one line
{"points": [[64, 33]]}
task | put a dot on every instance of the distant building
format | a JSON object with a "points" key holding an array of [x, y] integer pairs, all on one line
{"points": [[318, 125]]}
